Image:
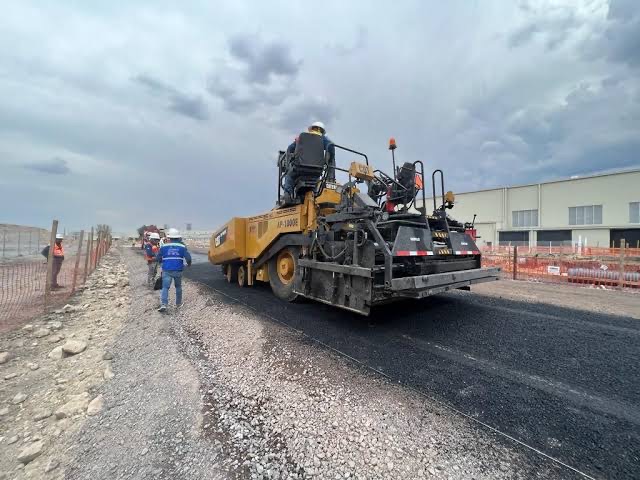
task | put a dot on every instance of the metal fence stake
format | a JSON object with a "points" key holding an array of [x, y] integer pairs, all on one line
{"points": [[75, 269], [515, 262]]}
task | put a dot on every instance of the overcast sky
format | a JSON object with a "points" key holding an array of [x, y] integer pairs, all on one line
{"points": [[171, 112]]}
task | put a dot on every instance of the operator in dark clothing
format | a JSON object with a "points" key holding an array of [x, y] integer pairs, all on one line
{"points": [[317, 128]]}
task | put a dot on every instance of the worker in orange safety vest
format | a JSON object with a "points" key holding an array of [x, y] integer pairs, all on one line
{"points": [[58, 258], [151, 250]]}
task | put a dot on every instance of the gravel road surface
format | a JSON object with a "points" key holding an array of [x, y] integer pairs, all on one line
{"points": [[563, 380]]}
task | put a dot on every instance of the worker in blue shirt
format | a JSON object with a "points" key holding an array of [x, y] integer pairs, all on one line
{"points": [[172, 256]]}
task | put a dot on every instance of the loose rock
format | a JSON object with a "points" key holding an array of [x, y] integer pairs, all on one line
{"points": [[69, 308], [41, 415], [30, 453], [74, 347], [55, 338], [19, 398], [56, 353], [41, 332], [4, 357], [76, 405], [95, 406], [108, 373], [51, 465]]}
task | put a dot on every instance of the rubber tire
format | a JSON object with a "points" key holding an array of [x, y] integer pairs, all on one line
{"points": [[232, 273], [282, 290], [242, 276]]}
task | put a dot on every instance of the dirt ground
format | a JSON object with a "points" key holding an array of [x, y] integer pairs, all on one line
{"points": [[598, 299]]}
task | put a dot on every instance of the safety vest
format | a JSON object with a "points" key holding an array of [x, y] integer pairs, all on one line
{"points": [[58, 250], [151, 251]]}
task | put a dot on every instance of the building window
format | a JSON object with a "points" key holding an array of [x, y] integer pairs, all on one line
{"points": [[524, 218], [634, 212], [585, 215]]}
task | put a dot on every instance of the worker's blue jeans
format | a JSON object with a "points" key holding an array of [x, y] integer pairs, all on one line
{"points": [[288, 183], [167, 278]]}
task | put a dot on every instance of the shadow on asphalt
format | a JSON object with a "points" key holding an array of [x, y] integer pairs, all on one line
{"points": [[565, 381]]}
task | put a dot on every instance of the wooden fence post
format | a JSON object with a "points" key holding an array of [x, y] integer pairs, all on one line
{"points": [[95, 260], [86, 261], [75, 269], [52, 241], [622, 245], [515, 262]]}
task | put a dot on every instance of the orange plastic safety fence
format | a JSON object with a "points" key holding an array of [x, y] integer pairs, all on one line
{"points": [[608, 267], [23, 282]]}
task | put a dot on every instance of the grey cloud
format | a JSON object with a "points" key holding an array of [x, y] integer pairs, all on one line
{"points": [[619, 40], [153, 84], [179, 102], [193, 107], [553, 25], [251, 99], [263, 60], [55, 166], [522, 35], [306, 111], [360, 42], [622, 9]]}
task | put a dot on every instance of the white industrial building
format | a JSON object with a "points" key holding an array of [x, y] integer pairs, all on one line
{"points": [[597, 210]]}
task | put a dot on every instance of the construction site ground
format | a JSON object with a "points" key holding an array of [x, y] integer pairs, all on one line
{"points": [[511, 380]]}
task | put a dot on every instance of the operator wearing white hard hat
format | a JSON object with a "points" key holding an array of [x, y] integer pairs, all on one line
{"points": [[317, 128]]}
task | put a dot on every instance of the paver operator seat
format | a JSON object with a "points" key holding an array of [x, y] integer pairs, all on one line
{"points": [[306, 164]]}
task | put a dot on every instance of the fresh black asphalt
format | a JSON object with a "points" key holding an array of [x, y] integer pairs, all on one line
{"points": [[564, 381]]}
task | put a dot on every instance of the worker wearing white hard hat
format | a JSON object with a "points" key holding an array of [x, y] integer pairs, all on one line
{"points": [[317, 128], [172, 256], [151, 250]]}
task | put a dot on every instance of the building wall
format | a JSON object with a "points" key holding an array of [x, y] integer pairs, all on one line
{"points": [[592, 237], [521, 198], [552, 200], [613, 192]]}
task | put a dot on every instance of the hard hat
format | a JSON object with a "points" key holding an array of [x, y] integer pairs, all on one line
{"points": [[59, 236], [173, 233], [319, 125], [154, 236]]}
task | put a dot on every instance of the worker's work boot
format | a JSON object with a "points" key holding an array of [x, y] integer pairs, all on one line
{"points": [[287, 199]]}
